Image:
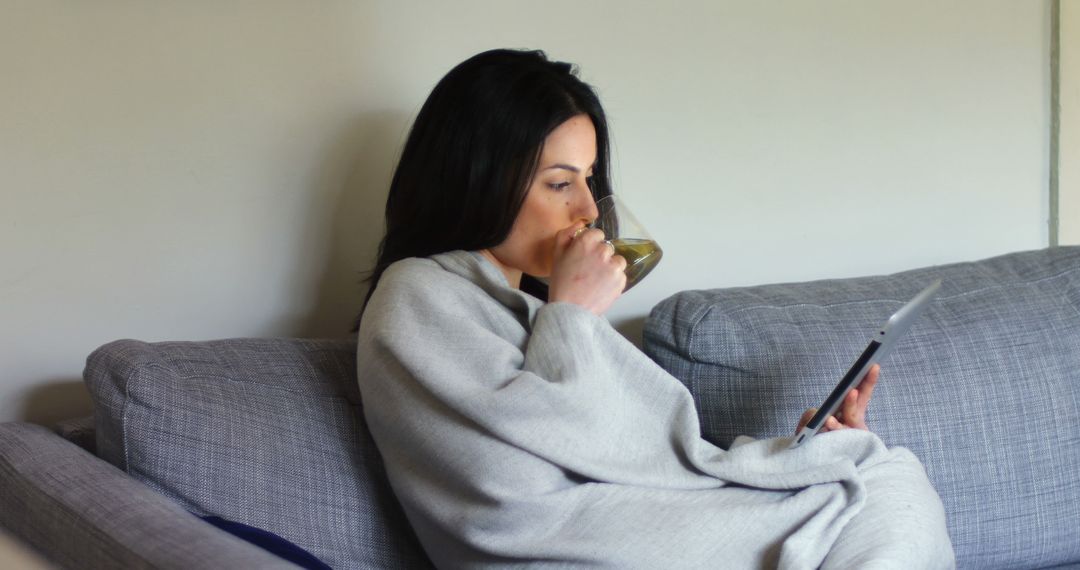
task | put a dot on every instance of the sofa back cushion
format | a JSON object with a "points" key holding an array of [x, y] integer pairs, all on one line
{"points": [[984, 388], [265, 432]]}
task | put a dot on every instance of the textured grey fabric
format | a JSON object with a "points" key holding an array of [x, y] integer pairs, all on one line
{"points": [[985, 388], [516, 433], [79, 431], [81, 512], [266, 432]]}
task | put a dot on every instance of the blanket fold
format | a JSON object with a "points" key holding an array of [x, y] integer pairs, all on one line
{"points": [[517, 432]]}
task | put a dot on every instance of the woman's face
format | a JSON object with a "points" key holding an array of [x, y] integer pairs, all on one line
{"points": [[558, 197]]}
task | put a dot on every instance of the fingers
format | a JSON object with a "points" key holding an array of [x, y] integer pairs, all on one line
{"points": [[852, 415], [589, 236], [852, 412], [585, 271], [565, 237], [618, 260], [831, 424], [595, 243], [866, 387], [805, 419]]}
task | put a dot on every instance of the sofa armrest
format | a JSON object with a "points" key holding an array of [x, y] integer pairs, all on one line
{"points": [[81, 512]]}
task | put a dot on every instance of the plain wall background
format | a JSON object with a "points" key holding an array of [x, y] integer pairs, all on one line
{"points": [[1068, 164], [204, 169]]}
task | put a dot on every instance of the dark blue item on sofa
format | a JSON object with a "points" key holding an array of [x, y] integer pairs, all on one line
{"points": [[270, 542]]}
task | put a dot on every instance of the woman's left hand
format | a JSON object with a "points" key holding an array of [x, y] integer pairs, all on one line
{"points": [[852, 413]]}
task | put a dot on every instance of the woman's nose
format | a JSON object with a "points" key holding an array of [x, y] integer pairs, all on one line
{"points": [[587, 206]]}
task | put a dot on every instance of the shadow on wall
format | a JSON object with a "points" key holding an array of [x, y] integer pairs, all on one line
{"points": [[346, 232], [54, 400], [631, 328]]}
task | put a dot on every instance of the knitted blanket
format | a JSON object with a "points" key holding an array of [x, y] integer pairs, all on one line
{"points": [[521, 433]]}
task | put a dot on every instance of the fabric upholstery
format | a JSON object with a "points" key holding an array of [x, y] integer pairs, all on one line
{"points": [[984, 389], [79, 431], [81, 512], [265, 432]]}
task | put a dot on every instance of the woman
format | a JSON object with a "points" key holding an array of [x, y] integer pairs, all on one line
{"points": [[517, 431]]}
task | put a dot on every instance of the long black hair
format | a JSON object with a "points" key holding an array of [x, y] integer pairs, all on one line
{"points": [[471, 153]]}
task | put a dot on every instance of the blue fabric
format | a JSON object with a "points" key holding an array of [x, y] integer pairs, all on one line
{"points": [[984, 388], [270, 542]]}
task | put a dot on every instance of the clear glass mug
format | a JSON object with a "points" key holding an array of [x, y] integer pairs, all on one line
{"points": [[629, 238]]}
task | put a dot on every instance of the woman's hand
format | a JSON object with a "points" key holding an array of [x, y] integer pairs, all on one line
{"points": [[586, 271], [852, 413]]}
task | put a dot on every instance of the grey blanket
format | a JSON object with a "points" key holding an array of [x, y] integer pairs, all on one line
{"points": [[521, 433]]}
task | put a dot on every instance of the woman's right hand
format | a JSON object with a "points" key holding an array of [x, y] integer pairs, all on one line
{"points": [[586, 270], [852, 413]]}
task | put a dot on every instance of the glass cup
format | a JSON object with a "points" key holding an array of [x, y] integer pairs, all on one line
{"points": [[629, 238]]}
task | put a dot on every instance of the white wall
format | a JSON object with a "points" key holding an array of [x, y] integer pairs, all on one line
{"points": [[1069, 124], [208, 169]]}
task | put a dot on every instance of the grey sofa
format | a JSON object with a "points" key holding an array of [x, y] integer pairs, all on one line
{"points": [[984, 389], [269, 432]]}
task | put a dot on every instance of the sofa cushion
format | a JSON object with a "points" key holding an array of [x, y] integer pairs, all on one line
{"points": [[265, 432], [984, 388]]}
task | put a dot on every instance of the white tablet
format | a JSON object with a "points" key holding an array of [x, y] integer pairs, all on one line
{"points": [[880, 346]]}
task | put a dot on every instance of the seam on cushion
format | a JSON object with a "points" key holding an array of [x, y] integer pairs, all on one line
{"points": [[1070, 304], [124, 418], [691, 334], [1003, 285], [172, 372], [692, 329], [865, 301]]}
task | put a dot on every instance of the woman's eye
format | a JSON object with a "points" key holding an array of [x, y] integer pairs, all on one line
{"points": [[559, 185]]}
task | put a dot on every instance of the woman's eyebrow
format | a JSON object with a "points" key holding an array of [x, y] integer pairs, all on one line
{"points": [[569, 167]]}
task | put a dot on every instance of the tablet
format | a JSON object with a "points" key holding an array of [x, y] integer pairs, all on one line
{"points": [[880, 346]]}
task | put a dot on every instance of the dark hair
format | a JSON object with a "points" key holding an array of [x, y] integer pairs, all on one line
{"points": [[472, 151]]}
